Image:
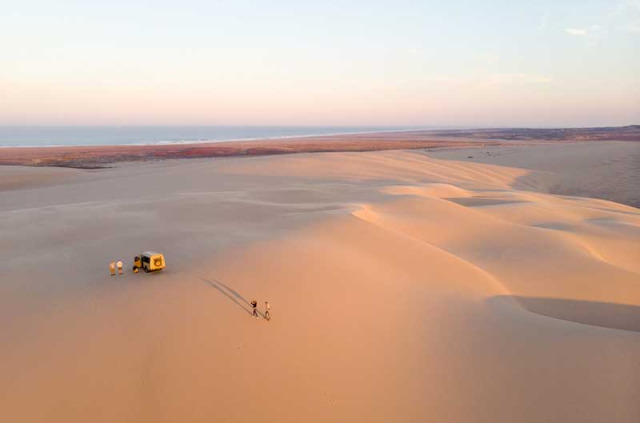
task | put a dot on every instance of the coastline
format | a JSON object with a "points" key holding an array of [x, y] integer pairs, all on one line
{"points": [[97, 156], [91, 157], [210, 140]]}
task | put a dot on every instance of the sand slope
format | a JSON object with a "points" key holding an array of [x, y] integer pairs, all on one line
{"points": [[404, 288], [607, 170]]}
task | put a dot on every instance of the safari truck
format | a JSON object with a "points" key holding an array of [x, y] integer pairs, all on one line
{"points": [[149, 261]]}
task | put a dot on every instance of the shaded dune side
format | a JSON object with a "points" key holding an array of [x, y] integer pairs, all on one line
{"points": [[595, 313]]}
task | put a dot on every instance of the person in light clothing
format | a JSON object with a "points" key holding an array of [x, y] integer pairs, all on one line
{"points": [[267, 310], [119, 264], [112, 268]]}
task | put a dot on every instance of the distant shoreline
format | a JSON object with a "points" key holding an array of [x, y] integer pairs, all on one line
{"points": [[176, 135], [98, 156]]}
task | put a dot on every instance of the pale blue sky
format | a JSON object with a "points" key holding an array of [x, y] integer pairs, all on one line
{"points": [[492, 63]]}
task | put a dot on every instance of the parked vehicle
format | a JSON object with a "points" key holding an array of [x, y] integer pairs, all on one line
{"points": [[149, 261]]}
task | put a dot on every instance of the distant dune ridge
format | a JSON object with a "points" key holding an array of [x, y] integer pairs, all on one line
{"points": [[447, 285], [618, 133]]}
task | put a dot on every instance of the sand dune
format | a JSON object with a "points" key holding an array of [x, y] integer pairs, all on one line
{"points": [[17, 177], [404, 288], [606, 170]]}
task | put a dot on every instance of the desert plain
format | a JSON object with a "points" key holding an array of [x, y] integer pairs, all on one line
{"points": [[489, 282]]}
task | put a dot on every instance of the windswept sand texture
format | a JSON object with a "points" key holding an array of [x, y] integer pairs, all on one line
{"points": [[405, 288]]}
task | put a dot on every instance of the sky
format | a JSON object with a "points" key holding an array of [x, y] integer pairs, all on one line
{"points": [[346, 63]]}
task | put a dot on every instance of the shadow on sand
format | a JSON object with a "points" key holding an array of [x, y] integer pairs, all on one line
{"points": [[230, 293], [594, 313]]}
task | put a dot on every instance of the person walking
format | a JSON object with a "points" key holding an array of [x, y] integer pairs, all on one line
{"points": [[254, 305], [267, 310], [112, 268], [119, 264]]}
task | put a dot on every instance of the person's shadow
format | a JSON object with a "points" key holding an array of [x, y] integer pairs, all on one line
{"points": [[231, 294]]}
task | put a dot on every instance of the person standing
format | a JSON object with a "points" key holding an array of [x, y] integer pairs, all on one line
{"points": [[119, 264], [267, 310], [112, 268], [254, 305]]}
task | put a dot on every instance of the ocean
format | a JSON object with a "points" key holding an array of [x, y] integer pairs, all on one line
{"points": [[49, 136]]}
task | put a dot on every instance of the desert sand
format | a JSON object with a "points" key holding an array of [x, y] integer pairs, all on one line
{"points": [[406, 286]]}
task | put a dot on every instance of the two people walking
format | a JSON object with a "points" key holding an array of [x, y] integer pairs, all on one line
{"points": [[267, 309]]}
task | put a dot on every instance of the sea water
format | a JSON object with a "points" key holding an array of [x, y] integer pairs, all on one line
{"points": [[49, 136]]}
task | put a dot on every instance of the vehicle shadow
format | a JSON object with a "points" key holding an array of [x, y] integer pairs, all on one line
{"points": [[594, 313], [230, 293]]}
